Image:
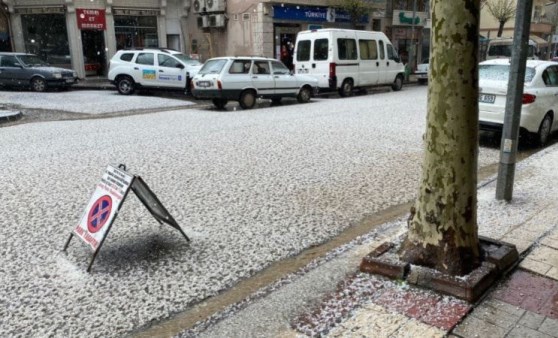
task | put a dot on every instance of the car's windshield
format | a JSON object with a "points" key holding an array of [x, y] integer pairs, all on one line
{"points": [[502, 72], [187, 60], [31, 60], [213, 66]]}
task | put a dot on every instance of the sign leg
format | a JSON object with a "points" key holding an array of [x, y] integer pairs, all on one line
{"points": [[68, 241]]}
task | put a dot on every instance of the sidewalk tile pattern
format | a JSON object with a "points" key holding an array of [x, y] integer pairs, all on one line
{"points": [[370, 306]]}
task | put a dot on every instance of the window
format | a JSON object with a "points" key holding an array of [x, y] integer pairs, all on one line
{"points": [[550, 76], [303, 50], [321, 47], [167, 61], [382, 50], [127, 57], [279, 68], [8, 61], [261, 67], [368, 49], [240, 67], [501, 72], [145, 59], [347, 49]]}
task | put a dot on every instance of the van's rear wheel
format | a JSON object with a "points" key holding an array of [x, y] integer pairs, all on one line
{"points": [[397, 84], [125, 85], [247, 99], [346, 88]]}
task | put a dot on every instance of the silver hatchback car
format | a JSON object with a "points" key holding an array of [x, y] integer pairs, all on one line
{"points": [[244, 79]]}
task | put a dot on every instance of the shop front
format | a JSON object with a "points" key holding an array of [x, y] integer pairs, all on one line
{"points": [[92, 26], [135, 28], [409, 36], [288, 20]]}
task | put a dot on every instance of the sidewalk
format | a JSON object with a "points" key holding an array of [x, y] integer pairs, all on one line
{"points": [[523, 304], [94, 82]]}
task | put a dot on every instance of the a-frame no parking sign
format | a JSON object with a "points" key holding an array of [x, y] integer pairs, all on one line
{"points": [[105, 203]]}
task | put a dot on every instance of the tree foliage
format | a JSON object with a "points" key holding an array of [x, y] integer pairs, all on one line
{"points": [[501, 10], [355, 8]]}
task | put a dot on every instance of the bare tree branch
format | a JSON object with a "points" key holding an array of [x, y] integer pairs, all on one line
{"points": [[502, 10]]}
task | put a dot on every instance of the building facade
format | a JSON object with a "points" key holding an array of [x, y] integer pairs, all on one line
{"points": [[85, 34]]}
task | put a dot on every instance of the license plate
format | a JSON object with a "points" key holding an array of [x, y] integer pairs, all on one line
{"points": [[203, 84], [487, 98]]}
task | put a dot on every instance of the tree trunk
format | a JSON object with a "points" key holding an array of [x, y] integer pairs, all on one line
{"points": [[501, 28], [443, 232]]}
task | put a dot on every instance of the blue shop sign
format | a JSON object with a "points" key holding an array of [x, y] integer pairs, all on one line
{"points": [[313, 14]]}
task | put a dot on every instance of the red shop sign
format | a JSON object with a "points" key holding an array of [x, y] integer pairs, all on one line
{"points": [[91, 19]]}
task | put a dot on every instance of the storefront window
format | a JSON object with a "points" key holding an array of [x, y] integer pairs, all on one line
{"points": [[135, 31], [46, 36]]}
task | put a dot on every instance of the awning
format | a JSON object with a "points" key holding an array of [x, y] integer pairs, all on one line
{"points": [[539, 41]]}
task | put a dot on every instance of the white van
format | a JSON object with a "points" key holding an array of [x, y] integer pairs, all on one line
{"points": [[344, 59], [501, 48]]}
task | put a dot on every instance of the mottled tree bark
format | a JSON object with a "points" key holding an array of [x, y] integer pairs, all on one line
{"points": [[443, 232]]}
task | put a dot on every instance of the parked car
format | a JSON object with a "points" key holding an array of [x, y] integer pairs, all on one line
{"points": [[151, 68], [244, 79], [539, 104], [422, 71], [28, 70]]}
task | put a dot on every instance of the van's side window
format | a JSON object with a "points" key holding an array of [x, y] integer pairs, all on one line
{"points": [[303, 51], [321, 47], [382, 50], [347, 49], [368, 49]]}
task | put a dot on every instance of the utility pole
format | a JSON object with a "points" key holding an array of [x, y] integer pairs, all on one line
{"points": [[510, 133], [412, 51]]}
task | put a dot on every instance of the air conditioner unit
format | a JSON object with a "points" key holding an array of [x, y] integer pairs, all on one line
{"points": [[215, 5], [217, 20], [204, 21], [197, 6]]}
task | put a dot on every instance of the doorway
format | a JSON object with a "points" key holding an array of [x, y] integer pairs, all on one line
{"points": [[94, 55]]}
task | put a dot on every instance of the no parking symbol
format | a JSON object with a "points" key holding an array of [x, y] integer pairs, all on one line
{"points": [[103, 206]]}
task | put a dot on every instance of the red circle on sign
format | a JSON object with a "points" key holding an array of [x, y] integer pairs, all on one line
{"points": [[99, 214]]}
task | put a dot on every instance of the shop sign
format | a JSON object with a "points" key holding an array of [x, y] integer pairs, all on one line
{"points": [[39, 10], [314, 14], [406, 18], [91, 19], [135, 12]]}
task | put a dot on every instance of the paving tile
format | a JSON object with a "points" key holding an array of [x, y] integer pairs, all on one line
{"points": [[545, 254], [496, 316], [550, 241], [525, 233], [550, 307], [552, 273], [523, 332], [550, 327], [413, 303], [370, 321], [446, 314], [520, 243], [531, 320], [535, 266], [509, 308], [475, 327], [414, 328]]}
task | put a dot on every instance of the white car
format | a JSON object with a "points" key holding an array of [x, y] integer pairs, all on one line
{"points": [[422, 71], [540, 97], [151, 68], [244, 79]]}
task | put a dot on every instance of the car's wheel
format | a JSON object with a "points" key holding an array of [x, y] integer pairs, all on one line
{"points": [[397, 84], [220, 103], [247, 99], [276, 100], [304, 95], [544, 130], [38, 84], [346, 88], [125, 85]]}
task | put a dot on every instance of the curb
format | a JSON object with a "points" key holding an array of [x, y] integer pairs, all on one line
{"points": [[9, 115]]}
